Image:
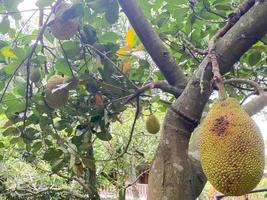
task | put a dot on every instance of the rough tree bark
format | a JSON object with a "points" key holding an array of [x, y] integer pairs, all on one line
{"points": [[91, 171]]}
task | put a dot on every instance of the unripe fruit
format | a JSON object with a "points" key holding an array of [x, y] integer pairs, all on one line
{"points": [[35, 75], [152, 124]]}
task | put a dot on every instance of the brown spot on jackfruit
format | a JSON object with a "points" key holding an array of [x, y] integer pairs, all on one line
{"points": [[220, 125]]}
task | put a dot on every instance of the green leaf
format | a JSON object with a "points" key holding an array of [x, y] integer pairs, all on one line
{"points": [[11, 131], [254, 58], [31, 134], [71, 48], [57, 165], [37, 145], [88, 34], [4, 25], [16, 140], [109, 37], [9, 69], [2, 145], [52, 154], [61, 66], [104, 135]]}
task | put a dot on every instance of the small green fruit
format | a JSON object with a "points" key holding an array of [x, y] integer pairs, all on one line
{"points": [[35, 75], [152, 124]]}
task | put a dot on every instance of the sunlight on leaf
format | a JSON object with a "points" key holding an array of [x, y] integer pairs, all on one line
{"points": [[7, 52], [131, 37], [123, 51]]}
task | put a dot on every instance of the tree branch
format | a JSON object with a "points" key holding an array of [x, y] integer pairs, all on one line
{"points": [[23, 192], [245, 81], [163, 85], [153, 44]]}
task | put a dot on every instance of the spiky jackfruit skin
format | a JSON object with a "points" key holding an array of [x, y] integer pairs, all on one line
{"points": [[58, 98], [63, 29], [152, 124], [231, 149]]}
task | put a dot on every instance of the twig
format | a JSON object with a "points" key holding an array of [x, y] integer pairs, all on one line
{"points": [[137, 178], [132, 129], [245, 81], [163, 85], [23, 26], [78, 180], [66, 58], [21, 11], [23, 192]]}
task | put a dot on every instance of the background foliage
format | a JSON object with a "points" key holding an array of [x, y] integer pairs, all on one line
{"points": [[88, 138]]}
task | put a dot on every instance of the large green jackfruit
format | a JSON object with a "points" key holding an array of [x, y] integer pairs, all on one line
{"points": [[231, 149]]}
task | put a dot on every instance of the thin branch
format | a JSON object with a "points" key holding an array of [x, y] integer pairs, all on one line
{"points": [[245, 81], [78, 180], [163, 85], [132, 129], [23, 26], [137, 178], [23, 192], [21, 11], [66, 58]]}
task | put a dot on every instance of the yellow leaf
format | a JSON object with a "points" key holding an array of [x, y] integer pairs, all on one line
{"points": [[123, 51], [131, 37], [7, 52], [126, 65]]}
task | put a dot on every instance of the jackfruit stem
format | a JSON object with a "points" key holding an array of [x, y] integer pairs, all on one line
{"points": [[222, 93]]}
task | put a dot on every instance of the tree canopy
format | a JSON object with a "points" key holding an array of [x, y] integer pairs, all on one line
{"points": [[117, 62]]}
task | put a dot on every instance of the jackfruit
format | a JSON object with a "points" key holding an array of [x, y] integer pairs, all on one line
{"points": [[152, 124], [63, 29], [54, 97], [231, 149], [35, 75]]}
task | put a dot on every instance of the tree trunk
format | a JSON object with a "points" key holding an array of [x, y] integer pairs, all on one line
{"points": [[91, 172]]}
